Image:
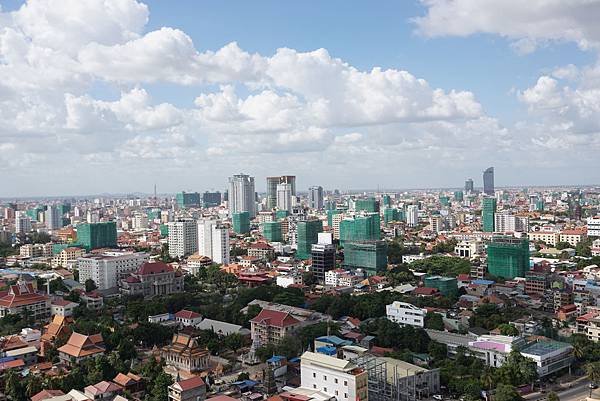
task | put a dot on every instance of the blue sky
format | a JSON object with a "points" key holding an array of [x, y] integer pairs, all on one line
{"points": [[116, 114]]}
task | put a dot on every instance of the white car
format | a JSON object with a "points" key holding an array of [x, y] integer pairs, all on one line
{"points": [[438, 397]]}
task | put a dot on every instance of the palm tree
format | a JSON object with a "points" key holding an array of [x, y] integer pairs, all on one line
{"points": [[487, 378], [593, 372], [578, 350]]}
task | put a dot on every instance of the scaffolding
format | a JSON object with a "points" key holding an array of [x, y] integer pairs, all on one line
{"points": [[395, 383]]}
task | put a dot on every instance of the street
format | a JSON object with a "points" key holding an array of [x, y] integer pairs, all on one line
{"points": [[579, 391]]}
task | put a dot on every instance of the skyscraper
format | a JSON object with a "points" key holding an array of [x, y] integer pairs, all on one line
{"points": [[220, 244], [183, 238], [205, 227], [488, 181], [22, 223], [242, 195], [323, 260], [308, 234], [187, 199], [53, 218], [272, 183], [284, 197], [241, 222], [469, 185], [315, 197], [412, 215], [488, 213]]}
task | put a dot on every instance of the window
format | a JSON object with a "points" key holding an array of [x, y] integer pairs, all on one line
{"points": [[314, 386], [345, 395], [336, 380], [324, 389], [325, 377], [345, 383], [314, 375]]}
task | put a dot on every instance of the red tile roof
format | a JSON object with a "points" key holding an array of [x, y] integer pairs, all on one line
{"points": [[44, 394], [275, 318], [425, 291], [187, 314], [192, 383], [154, 268]]}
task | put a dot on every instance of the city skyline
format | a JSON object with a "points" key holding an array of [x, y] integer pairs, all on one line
{"points": [[178, 95]]}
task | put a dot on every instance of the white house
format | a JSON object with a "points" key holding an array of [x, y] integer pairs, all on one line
{"points": [[406, 314]]}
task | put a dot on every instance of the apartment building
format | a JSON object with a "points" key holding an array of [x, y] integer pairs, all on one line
{"points": [[336, 377], [22, 299], [108, 268], [573, 237], [270, 326], [67, 258], [406, 314], [548, 237], [152, 279]]}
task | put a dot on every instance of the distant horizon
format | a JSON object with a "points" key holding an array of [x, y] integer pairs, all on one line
{"points": [[343, 191]]}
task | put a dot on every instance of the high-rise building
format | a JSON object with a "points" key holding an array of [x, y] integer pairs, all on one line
{"points": [[308, 234], [97, 235], [488, 181], [488, 213], [53, 218], [241, 222], [458, 196], [140, 221], [183, 238], [437, 223], [370, 205], [284, 197], [220, 244], [360, 228], [271, 230], [323, 260], [211, 199], [315, 197], [368, 255], [205, 227], [188, 199], [22, 223], [593, 226], [507, 222], [508, 257], [242, 196], [387, 201], [469, 185], [273, 182], [389, 215], [412, 215]]}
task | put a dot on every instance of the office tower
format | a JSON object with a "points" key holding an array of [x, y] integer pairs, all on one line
{"points": [[242, 197], [508, 257], [183, 238], [205, 228], [220, 244], [469, 185], [63, 208], [308, 234], [22, 223], [323, 260], [272, 231], [284, 197], [211, 199], [412, 215], [368, 255], [53, 218], [458, 196], [488, 181], [360, 228], [389, 215], [488, 213], [188, 199], [368, 205], [315, 197], [97, 235], [241, 222], [273, 182], [387, 201], [444, 200]]}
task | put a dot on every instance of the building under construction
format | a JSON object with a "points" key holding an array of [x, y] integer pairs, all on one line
{"points": [[391, 379]]}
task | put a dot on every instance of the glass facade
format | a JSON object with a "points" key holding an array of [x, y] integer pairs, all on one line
{"points": [[97, 235], [241, 222], [368, 255], [508, 257], [308, 234], [488, 213]]}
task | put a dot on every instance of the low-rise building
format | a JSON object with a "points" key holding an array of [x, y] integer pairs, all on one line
{"points": [[152, 279], [22, 299], [270, 326], [193, 389], [406, 314], [80, 347], [108, 268], [185, 354], [187, 318]]}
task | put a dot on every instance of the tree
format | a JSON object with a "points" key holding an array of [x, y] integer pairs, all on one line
{"points": [[160, 390], [584, 248], [508, 330], [592, 370], [562, 245], [243, 376], [552, 396], [309, 279], [90, 285], [505, 392], [517, 369], [434, 321], [14, 386]]}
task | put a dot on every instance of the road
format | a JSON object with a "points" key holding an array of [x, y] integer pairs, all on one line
{"points": [[579, 391]]}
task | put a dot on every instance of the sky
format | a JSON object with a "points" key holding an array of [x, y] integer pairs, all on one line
{"points": [[115, 96]]}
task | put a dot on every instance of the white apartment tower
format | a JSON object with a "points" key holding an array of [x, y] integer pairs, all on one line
{"points": [[242, 195], [213, 241], [53, 218], [412, 215], [183, 238], [22, 223], [284, 197]]}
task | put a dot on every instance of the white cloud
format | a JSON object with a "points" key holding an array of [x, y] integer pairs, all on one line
{"points": [[528, 24]]}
